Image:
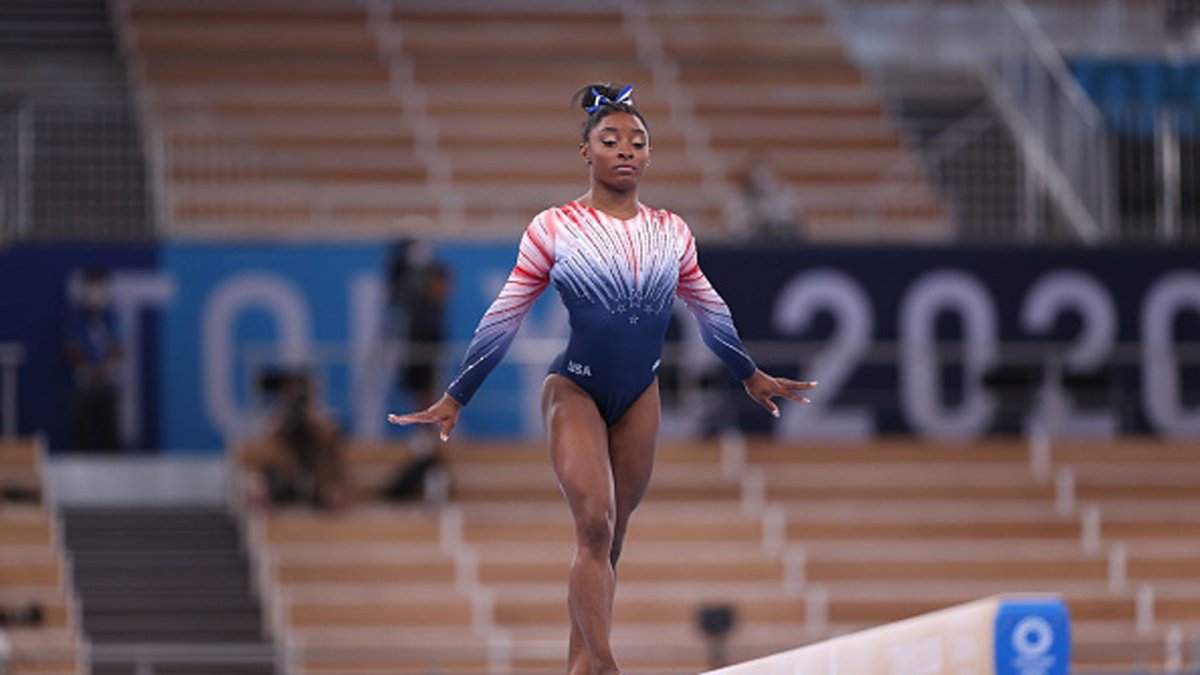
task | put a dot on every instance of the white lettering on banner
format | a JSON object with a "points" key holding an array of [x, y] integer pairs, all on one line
{"points": [[374, 357], [134, 292], [1161, 391], [237, 295], [1053, 295], [799, 303], [920, 386]]}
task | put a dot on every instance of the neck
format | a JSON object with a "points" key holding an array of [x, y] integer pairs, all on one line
{"points": [[619, 204]]}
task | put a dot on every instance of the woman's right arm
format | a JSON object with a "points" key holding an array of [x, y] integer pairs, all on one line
{"points": [[500, 322], [497, 328]]}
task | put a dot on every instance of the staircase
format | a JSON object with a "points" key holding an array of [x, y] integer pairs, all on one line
{"points": [[175, 582], [73, 165], [55, 27]]}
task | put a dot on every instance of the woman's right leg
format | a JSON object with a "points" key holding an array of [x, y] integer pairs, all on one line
{"points": [[578, 440]]}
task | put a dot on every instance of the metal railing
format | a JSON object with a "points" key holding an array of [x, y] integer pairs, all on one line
{"points": [[969, 166], [1059, 130], [1156, 155], [72, 169], [1079, 170]]}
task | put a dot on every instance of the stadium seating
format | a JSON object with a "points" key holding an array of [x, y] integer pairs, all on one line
{"points": [[328, 118], [33, 574], [274, 119], [803, 541]]}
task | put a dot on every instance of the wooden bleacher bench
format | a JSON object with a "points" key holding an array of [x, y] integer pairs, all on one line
{"points": [[930, 527], [26, 526], [1004, 481], [365, 572], [1135, 450], [20, 470], [48, 651], [442, 611], [941, 547], [32, 569], [887, 451], [167, 36], [361, 526]]}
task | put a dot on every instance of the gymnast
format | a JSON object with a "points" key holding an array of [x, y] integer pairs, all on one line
{"points": [[618, 266]]}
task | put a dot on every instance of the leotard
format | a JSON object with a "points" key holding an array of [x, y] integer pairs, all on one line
{"points": [[618, 279]]}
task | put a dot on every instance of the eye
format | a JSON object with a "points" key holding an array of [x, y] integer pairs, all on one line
{"points": [[639, 145], [608, 142]]}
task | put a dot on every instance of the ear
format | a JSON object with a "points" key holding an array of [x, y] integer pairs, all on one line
{"points": [[585, 152]]}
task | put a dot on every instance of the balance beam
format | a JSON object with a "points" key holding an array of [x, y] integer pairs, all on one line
{"points": [[999, 635]]}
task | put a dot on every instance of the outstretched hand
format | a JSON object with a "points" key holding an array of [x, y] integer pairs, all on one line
{"points": [[762, 388], [444, 413]]}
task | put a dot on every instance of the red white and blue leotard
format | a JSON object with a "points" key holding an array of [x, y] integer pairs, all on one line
{"points": [[618, 279]]}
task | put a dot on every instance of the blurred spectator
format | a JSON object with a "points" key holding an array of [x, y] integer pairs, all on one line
{"points": [[1181, 19], [426, 333], [306, 465], [764, 209], [419, 287], [94, 352]]}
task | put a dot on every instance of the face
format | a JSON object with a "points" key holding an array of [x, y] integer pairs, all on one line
{"points": [[95, 294], [618, 150]]}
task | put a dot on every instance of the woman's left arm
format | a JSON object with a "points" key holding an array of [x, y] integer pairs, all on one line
{"points": [[719, 333]]}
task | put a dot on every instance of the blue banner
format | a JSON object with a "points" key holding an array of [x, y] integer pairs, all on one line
{"points": [[35, 285], [902, 340], [240, 309]]}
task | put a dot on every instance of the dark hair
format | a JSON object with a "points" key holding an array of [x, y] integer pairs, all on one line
{"points": [[586, 99]]}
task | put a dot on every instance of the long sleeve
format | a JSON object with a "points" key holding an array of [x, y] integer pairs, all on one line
{"points": [[711, 312], [498, 327]]}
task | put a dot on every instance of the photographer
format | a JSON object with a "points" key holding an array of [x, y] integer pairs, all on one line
{"points": [[306, 463]]}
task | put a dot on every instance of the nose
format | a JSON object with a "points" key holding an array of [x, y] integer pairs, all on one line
{"points": [[625, 152]]}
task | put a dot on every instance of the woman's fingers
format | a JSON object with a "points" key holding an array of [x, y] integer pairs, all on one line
{"points": [[447, 426], [445, 423], [770, 406], [785, 388], [411, 418], [762, 388]]}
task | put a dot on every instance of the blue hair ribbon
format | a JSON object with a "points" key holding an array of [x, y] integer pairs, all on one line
{"points": [[600, 100]]}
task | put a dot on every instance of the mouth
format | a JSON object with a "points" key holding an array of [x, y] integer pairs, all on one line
{"points": [[625, 169]]}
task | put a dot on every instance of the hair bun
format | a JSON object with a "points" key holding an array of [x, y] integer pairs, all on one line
{"points": [[595, 96]]}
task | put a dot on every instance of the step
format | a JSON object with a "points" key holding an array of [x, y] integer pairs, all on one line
{"points": [[159, 560], [198, 668], [168, 601], [135, 581], [180, 624], [163, 540]]}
